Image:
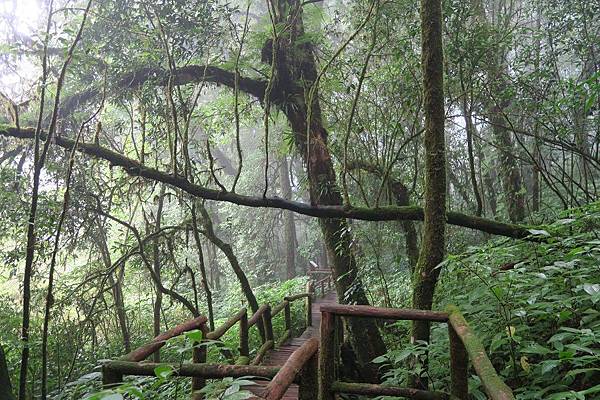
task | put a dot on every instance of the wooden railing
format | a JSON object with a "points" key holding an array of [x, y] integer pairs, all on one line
{"points": [[315, 365], [320, 278], [464, 345], [303, 360], [301, 368]]}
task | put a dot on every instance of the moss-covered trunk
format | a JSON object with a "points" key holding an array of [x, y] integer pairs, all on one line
{"points": [[433, 243], [295, 75]]}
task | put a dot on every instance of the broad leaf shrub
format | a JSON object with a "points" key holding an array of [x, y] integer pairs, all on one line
{"points": [[535, 305]]}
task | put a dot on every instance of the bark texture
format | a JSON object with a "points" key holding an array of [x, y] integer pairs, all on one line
{"points": [[5, 384], [295, 76], [433, 243]]}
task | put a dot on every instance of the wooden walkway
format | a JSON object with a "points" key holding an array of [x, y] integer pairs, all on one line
{"points": [[279, 356]]}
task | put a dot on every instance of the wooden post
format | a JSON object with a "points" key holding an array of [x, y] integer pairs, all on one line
{"points": [[110, 377], [244, 347], [309, 299], [459, 365], [327, 356], [309, 380], [268, 323], [199, 357], [339, 341], [288, 317]]}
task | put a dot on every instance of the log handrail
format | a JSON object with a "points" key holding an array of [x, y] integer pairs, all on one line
{"points": [[220, 331], [279, 307], [155, 344], [325, 284], [297, 296], [344, 310], [302, 366], [130, 364], [294, 367], [492, 383], [257, 315], [370, 389], [207, 371], [464, 345], [323, 280]]}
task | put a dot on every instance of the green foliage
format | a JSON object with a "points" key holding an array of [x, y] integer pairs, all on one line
{"points": [[228, 389], [534, 305]]}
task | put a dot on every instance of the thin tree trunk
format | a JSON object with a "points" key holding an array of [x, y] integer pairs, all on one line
{"points": [[401, 195], [205, 286], [6, 392], [471, 130], [214, 266], [116, 285], [210, 234], [433, 243], [157, 269], [400, 192], [289, 227], [38, 165]]}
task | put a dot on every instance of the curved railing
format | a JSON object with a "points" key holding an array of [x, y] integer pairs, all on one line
{"points": [[314, 366], [131, 364]]}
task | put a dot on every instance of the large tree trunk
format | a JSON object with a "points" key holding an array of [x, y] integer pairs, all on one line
{"points": [[295, 66], [433, 243], [289, 227]]}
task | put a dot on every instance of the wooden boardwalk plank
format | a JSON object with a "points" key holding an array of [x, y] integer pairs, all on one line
{"points": [[279, 356]]}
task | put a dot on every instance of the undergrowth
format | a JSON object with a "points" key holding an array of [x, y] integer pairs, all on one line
{"points": [[535, 305]]}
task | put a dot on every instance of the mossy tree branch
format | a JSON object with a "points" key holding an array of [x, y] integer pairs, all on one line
{"points": [[387, 213]]}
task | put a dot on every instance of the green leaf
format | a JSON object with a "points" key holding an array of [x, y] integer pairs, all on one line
{"points": [[195, 335], [591, 288], [113, 396], [536, 349], [380, 359], [163, 371], [549, 365], [538, 232]]}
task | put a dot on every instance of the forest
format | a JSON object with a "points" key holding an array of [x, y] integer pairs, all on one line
{"points": [[299, 199]]}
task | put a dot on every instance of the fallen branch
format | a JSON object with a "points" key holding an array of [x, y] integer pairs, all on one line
{"points": [[387, 213]]}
